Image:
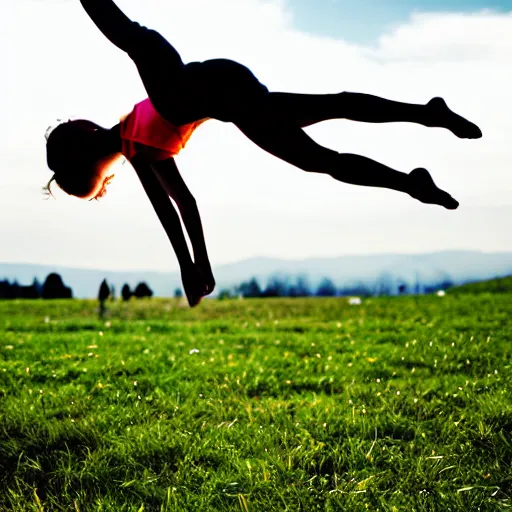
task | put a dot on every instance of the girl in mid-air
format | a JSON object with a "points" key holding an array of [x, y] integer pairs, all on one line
{"points": [[182, 96]]}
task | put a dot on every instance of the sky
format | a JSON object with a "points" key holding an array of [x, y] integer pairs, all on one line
{"points": [[365, 20], [59, 66]]}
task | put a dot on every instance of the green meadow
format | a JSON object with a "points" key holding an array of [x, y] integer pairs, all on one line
{"points": [[398, 404]]}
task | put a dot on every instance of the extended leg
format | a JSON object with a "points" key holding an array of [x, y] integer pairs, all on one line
{"points": [[288, 142], [190, 274], [169, 176], [308, 109]]}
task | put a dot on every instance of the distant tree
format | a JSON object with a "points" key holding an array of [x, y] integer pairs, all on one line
{"points": [[7, 291], [178, 294], [112, 293], [444, 285], [4, 289], [402, 288], [249, 289], [224, 294], [54, 288], [358, 289], [326, 288], [385, 284], [126, 293], [276, 287], [301, 288], [15, 290], [417, 285], [142, 290], [29, 292], [293, 291], [38, 287]]}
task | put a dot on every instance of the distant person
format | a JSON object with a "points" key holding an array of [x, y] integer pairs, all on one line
{"points": [[183, 96], [103, 295]]}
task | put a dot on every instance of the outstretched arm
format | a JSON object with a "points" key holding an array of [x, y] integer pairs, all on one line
{"points": [[170, 178], [192, 278], [113, 23]]}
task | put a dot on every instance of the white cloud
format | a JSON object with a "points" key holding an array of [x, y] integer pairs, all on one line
{"points": [[58, 65], [452, 37]]}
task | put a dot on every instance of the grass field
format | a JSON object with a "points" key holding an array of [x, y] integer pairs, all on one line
{"points": [[400, 404]]}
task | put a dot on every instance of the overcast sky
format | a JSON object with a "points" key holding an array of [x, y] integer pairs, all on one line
{"points": [[57, 65]]}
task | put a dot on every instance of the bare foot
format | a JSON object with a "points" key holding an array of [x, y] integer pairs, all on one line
{"points": [[441, 116], [194, 285], [209, 280], [423, 188]]}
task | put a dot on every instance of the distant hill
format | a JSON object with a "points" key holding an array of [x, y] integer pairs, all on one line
{"points": [[417, 271], [499, 285]]}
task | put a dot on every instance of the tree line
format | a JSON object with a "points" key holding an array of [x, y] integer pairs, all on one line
{"points": [[53, 287], [284, 287]]}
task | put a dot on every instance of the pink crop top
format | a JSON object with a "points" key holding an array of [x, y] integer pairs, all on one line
{"points": [[145, 126]]}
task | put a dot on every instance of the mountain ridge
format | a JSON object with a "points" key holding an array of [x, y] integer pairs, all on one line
{"points": [[458, 266]]}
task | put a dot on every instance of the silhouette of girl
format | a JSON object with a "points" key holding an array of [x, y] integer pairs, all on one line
{"points": [[182, 96]]}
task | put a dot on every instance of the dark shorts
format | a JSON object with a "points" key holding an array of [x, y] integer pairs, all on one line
{"points": [[183, 93], [224, 89]]}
